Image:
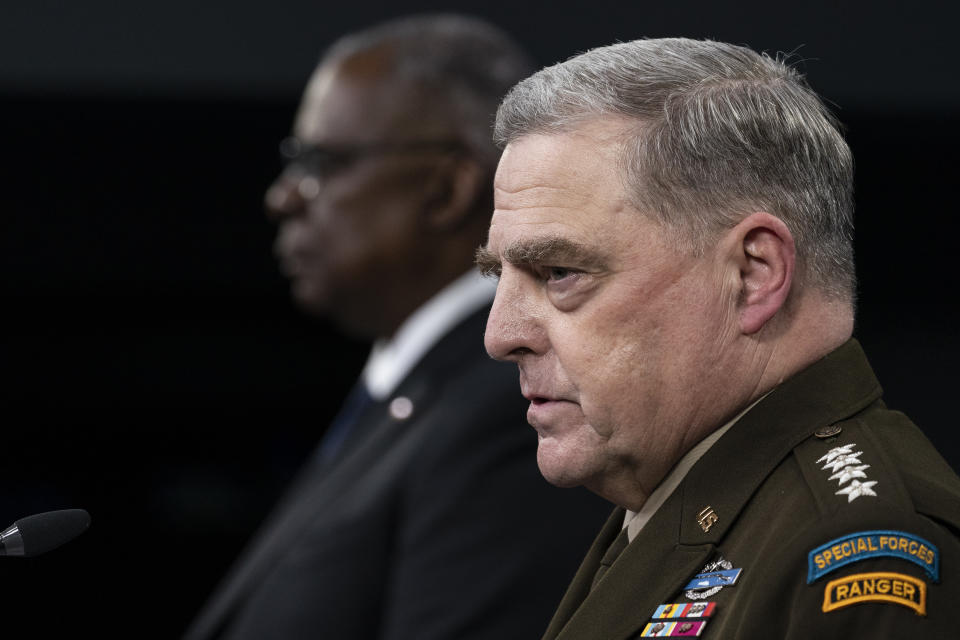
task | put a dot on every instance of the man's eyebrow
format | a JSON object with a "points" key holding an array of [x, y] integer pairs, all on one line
{"points": [[551, 251], [487, 262]]}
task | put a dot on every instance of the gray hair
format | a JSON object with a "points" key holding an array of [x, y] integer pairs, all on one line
{"points": [[721, 130], [461, 65]]}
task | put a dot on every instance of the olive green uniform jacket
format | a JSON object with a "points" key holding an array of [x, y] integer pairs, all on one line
{"points": [[801, 512]]}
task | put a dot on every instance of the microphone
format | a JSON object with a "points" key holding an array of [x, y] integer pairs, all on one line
{"points": [[42, 532]]}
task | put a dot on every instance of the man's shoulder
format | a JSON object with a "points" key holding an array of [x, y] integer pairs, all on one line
{"points": [[863, 512], [872, 471], [878, 461]]}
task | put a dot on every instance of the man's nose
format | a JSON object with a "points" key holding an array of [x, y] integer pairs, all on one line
{"points": [[513, 329], [289, 194]]}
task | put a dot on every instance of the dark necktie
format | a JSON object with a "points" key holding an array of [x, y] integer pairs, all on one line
{"points": [[353, 406], [613, 551]]}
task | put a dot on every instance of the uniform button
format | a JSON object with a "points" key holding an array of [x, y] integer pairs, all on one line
{"points": [[401, 408], [828, 431]]}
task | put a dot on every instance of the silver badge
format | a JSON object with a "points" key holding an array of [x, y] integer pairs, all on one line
{"points": [[700, 594]]}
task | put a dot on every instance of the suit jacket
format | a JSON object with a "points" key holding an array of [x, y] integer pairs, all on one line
{"points": [[438, 525], [813, 493]]}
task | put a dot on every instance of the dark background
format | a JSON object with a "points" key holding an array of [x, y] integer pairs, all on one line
{"points": [[154, 371]]}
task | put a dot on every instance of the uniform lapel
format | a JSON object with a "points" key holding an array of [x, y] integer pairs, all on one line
{"points": [[653, 566], [580, 586]]}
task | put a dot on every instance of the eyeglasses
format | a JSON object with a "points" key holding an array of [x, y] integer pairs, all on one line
{"points": [[324, 161]]}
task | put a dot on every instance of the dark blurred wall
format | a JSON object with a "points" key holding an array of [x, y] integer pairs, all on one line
{"points": [[155, 372], [861, 53]]}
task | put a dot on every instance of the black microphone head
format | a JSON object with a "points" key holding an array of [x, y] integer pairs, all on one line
{"points": [[43, 532]]}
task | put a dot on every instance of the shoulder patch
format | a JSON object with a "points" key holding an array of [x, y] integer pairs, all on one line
{"points": [[870, 544], [883, 587]]}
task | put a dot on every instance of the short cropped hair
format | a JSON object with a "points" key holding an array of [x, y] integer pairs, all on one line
{"points": [[720, 131], [461, 64]]}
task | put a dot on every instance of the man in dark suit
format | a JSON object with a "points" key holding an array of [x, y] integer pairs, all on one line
{"points": [[672, 236], [421, 514]]}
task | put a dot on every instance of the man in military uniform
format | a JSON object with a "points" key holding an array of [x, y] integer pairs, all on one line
{"points": [[672, 236]]}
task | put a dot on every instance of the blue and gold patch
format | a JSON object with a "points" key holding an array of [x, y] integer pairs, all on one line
{"points": [[870, 544], [883, 587]]}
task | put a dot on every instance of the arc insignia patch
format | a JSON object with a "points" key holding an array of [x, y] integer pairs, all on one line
{"points": [[870, 544], [897, 588], [663, 629], [845, 466]]}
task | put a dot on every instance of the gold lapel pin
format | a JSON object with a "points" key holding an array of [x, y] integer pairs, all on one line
{"points": [[706, 518]]}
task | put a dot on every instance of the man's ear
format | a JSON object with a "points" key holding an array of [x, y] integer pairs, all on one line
{"points": [[453, 192], [765, 253]]}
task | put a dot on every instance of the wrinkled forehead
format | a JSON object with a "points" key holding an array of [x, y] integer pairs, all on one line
{"points": [[561, 175], [566, 167], [563, 189]]}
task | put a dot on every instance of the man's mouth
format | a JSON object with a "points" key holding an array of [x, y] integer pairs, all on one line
{"points": [[291, 265], [547, 410]]}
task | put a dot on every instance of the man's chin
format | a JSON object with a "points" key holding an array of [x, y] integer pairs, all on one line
{"points": [[559, 481], [310, 298], [556, 470], [349, 316]]}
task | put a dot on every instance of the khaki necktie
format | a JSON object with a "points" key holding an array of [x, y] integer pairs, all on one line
{"points": [[613, 551]]}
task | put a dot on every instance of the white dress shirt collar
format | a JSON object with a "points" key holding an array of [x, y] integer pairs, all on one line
{"points": [[392, 359]]}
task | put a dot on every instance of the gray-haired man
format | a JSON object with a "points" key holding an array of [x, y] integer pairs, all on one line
{"points": [[672, 235]]}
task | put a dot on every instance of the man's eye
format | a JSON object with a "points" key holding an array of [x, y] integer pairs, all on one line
{"points": [[558, 273]]}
